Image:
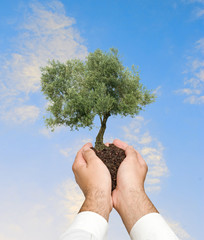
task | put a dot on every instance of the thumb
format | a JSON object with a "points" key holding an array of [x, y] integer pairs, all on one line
{"points": [[88, 154], [131, 152]]}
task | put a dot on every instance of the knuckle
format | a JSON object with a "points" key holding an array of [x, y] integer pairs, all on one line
{"points": [[145, 166], [74, 167], [77, 153], [132, 151], [131, 147], [86, 152]]}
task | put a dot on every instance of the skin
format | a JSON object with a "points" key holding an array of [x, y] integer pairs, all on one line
{"points": [[129, 198], [94, 179]]}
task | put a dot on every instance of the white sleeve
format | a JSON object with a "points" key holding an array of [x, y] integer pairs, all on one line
{"points": [[152, 226], [87, 225]]}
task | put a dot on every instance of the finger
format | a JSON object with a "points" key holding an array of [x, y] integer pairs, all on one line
{"points": [[131, 152], [120, 144], [79, 160], [141, 159], [89, 155], [107, 144], [86, 145], [79, 153]]}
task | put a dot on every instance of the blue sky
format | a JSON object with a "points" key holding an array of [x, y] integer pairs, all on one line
{"points": [[39, 196]]}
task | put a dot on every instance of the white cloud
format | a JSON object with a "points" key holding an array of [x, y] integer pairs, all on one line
{"points": [[72, 199], [200, 45], [157, 91], [22, 114], [3, 237], [195, 64], [145, 139], [44, 33], [86, 140], [30, 220], [66, 151], [195, 100], [199, 12], [153, 188], [48, 133], [194, 76], [45, 131], [37, 214], [70, 150], [188, 91], [200, 75], [193, 1], [179, 230], [151, 150]]}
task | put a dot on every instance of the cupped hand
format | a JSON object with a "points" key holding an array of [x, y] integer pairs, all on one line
{"points": [[130, 176], [93, 177], [129, 197]]}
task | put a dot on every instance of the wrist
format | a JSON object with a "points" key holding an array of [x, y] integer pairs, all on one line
{"points": [[126, 198], [133, 206], [98, 202]]}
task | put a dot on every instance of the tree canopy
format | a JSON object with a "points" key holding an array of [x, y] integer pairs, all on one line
{"points": [[100, 85]]}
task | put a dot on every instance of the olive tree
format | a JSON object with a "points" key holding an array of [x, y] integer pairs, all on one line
{"points": [[100, 85]]}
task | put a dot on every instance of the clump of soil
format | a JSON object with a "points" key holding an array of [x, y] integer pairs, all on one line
{"points": [[112, 158]]}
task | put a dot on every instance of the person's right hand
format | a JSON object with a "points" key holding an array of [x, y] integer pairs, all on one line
{"points": [[131, 174], [129, 197]]}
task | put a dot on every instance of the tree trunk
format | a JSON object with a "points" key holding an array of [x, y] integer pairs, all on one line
{"points": [[99, 145]]}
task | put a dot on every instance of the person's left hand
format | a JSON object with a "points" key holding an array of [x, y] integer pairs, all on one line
{"points": [[94, 179]]}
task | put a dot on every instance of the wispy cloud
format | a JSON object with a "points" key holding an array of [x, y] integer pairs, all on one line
{"points": [[150, 148], [31, 219], [188, 91], [71, 150], [179, 230], [72, 199], [193, 1], [39, 214], [194, 77], [138, 135], [199, 12], [194, 100], [197, 9], [48, 215], [200, 45], [22, 114], [158, 91], [44, 32], [66, 151], [45, 131]]}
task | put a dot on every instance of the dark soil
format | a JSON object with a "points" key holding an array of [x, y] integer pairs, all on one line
{"points": [[112, 158]]}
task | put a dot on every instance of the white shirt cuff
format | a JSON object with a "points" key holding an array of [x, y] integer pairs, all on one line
{"points": [[152, 226], [90, 222]]}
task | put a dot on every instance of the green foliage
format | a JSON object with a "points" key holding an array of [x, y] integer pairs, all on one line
{"points": [[79, 90]]}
